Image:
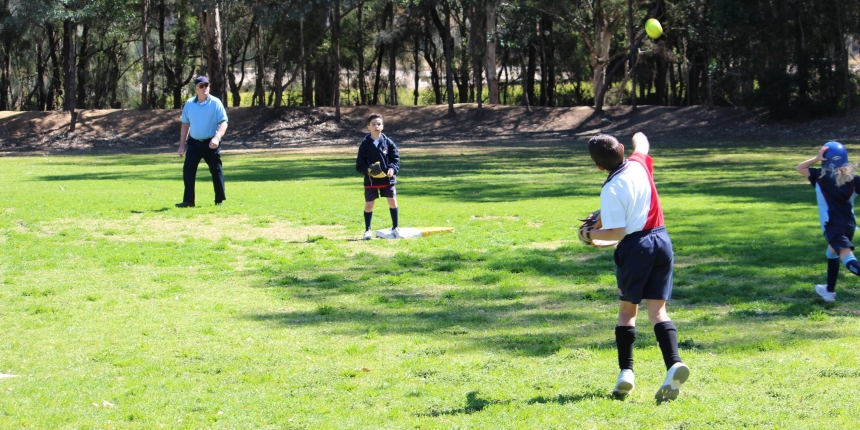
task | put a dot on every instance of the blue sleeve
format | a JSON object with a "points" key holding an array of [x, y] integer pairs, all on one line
{"points": [[361, 160], [814, 174], [185, 119], [222, 113], [393, 157]]}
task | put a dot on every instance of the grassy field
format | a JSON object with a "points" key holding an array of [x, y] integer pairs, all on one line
{"points": [[118, 310]]}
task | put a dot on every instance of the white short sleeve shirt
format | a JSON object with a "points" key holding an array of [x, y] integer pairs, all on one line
{"points": [[625, 200]]}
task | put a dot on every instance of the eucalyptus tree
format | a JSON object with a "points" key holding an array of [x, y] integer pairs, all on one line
{"points": [[209, 15], [443, 26], [599, 22]]}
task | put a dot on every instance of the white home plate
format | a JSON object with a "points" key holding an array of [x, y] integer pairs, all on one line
{"points": [[413, 232], [6, 375]]}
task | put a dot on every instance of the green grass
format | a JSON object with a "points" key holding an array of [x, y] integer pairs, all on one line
{"points": [[119, 311]]}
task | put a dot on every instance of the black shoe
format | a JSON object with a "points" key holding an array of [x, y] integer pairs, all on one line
{"points": [[185, 205], [219, 203]]}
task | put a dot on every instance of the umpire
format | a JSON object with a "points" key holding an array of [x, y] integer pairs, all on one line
{"points": [[204, 122]]}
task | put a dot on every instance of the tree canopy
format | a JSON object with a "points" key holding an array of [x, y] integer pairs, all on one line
{"points": [[791, 58]]}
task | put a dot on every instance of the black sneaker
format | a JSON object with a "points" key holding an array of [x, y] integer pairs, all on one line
{"points": [[185, 205]]}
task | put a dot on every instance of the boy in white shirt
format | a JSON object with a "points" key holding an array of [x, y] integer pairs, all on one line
{"points": [[630, 212]]}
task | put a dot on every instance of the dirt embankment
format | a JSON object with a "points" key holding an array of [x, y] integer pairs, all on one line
{"points": [[250, 128]]}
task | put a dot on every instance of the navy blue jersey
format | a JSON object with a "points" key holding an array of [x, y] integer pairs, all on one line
{"points": [[386, 154], [835, 204]]}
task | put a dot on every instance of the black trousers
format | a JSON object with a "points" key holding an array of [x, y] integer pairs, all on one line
{"points": [[197, 150]]}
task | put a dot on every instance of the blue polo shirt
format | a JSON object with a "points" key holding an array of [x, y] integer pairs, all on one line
{"points": [[204, 116]]}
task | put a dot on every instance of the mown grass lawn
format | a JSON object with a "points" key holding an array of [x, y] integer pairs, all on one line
{"points": [[118, 310]]}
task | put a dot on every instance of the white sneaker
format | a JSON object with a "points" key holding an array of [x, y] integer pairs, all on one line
{"points": [[624, 385], [675, 376], [368, 235], [395, 232], [827, 296]]}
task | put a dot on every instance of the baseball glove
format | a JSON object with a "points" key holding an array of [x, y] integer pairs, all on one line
{"points": [[592, 222], [375, 171]]}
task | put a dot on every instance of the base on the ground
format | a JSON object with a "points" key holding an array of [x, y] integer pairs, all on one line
{"points": [[413, 232], [6, 375]]}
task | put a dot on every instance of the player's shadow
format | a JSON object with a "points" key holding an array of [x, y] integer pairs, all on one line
{"points": [[563, 399], [474, 403]]}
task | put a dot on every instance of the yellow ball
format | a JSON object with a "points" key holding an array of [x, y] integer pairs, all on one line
{"points": [[653, 28]]}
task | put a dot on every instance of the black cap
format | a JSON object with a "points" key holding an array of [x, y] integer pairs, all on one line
{"points": [[201, 80]]}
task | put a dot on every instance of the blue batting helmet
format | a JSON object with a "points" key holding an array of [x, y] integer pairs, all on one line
{"points": [[836, 156]]}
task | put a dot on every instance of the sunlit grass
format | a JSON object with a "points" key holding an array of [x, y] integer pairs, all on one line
{"points": [[118, 310]]}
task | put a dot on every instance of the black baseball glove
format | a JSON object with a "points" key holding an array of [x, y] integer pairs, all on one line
{"points": [[375, 171], [590, 223]]}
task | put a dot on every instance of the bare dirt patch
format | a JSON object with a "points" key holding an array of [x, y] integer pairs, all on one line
{"points": [[209, 226], [314, 129]]}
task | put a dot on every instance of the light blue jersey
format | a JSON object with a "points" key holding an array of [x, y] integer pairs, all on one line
{"points": [[204, 116]]}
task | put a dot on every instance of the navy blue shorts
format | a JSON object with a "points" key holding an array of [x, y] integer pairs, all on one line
{"points": [[644, 262], [839, 236], [370, 194]]}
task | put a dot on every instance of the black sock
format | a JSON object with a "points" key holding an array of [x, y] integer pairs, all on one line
{"points": [[368, 216], [393, 217], [667, 338], [832, 273], [625, 335]]}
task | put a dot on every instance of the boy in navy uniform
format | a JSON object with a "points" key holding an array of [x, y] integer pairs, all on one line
{"points": [[630, 212], [204, 122], [835, 188], [378, 148]]}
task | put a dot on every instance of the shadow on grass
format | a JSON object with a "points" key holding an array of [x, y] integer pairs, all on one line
{"points": [[562, 399], [488, 301], [474, 403]]}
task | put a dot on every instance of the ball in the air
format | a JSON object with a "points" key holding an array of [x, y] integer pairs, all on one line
{"points": [[653, 28]]}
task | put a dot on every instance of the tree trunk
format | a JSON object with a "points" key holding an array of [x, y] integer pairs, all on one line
{"points": [[523, 74], [335, 41], [490, 54], [6, 72], [56, 81], [144, 78], [447, 46], [236, 87], [306, 94], [211, 22], [362, 81], [430, 55], [69, 28], [81, 84], [544, 100], [548, 71], [477, 28], [416, 60], [259, 98], [630, 36], [40, 76], [279, 69], [529, 79], [843, 57], [600, 57], [392, 61], [379, 56]]}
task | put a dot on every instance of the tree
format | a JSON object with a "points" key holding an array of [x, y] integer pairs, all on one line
{"points": [[210, 21], [144, 12]]}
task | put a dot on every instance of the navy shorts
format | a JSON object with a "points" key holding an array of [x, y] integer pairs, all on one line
{"points": [[644, 262], [371, 194], [839, 236]]}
